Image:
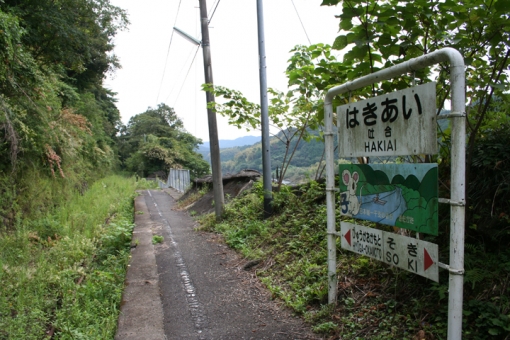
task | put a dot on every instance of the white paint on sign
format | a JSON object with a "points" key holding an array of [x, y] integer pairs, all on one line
{"points": [[395, 124], [362, 240], [411, 254]]}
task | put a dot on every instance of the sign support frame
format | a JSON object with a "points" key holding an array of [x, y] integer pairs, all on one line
{"points": [[458, 159]]}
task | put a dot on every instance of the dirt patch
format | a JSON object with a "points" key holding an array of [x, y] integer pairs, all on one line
{"points": [[233, 186]]}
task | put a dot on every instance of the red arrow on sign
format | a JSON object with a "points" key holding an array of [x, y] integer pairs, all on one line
{"points": [[348, 237], [428, 260]]}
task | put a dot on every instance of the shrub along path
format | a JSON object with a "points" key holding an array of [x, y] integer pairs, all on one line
{"points": [[204, 292]]}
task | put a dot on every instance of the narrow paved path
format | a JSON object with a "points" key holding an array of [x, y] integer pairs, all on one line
{"points": [[204, 292]]}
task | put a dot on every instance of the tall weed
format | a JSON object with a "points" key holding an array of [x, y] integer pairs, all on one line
{"points": [[62, 273], [375, 301]]}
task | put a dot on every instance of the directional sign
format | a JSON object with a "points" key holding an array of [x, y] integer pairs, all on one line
{"points": [[362, 240], [411, 254], [395, 124], [401, 195]]}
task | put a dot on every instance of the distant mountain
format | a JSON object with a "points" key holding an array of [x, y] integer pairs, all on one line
{"points": [[233, 159], [241, 141]]}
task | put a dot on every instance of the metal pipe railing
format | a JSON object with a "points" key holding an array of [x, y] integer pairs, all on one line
{"points": [[458, 137]]}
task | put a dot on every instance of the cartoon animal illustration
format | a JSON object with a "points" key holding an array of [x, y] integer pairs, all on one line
{"points": [[349, 201]]}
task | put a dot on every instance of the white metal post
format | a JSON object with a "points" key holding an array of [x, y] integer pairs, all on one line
{"points": [[330, 198], [457, 200]]}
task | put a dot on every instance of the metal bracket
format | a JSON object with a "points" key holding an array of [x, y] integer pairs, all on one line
{"points": [[450, 202], [333, 189], [328, 133], [454, 114], [450, 269], [335, 233]]}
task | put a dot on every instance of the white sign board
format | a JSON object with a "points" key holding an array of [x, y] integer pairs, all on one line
{"points": [[411, 254], [395, 124]]}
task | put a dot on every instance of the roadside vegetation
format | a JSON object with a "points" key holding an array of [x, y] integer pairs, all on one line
{"points": [[155, 141], [62, 273], [375, 301], [65, 221]]}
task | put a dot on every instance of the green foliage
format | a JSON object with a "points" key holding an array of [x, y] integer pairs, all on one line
{"points": [[325, 328], [303, 165], [73, 37], [489, 191], [156, 141], [64, 271], [58, 125], [156, 239], [117, 237], [375, 301], [377, 35], [56, 56], [485, 320], [293, 115], [142, 184]]}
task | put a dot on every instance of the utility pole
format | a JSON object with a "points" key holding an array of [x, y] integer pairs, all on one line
{"points": [[219, 201], [264, 117]]}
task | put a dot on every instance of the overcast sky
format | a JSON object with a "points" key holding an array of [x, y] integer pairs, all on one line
{"points": [[143, 49]]}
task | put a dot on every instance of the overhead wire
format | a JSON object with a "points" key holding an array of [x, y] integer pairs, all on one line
{"points": [[302, 25], [168, 52], [214, 11], [179, 76], [196, 52], [186, 77]]}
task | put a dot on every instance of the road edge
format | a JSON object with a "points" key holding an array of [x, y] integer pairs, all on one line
{"points": [[141, 312]]}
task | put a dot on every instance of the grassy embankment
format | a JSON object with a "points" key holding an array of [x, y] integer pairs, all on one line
{"points": [[375, 301], [62, 274]]}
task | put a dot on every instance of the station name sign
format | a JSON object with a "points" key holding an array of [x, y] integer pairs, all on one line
{"points": [[411, 254], [395, 124]]}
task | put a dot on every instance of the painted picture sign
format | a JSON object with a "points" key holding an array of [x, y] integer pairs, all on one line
{"points": [[395, 124], [400, 195], [411, 254]]}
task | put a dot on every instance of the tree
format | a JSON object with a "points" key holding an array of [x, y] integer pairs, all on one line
{"points": [[73, 36], [292, 116], [156, 140], [56, 119], [55, 56], [381, 34]]}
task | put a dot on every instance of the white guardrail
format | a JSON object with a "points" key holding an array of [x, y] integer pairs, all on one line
{"points": [[178, 179]]}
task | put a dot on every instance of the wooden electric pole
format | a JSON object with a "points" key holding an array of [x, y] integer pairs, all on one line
{"points": [[219, 201]]}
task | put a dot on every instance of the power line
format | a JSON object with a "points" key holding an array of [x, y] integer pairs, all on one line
{"points": [[309, 42], [187, 73], [168, 52], [179, 75], [214, 11], [191, 65]]}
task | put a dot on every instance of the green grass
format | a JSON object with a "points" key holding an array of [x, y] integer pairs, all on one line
{"points": [[375, 301], [63, 273], [156, 239]]}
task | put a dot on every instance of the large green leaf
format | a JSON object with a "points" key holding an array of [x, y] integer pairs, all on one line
{"points": [[329, 2], [340, 42], [346, 24]]}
